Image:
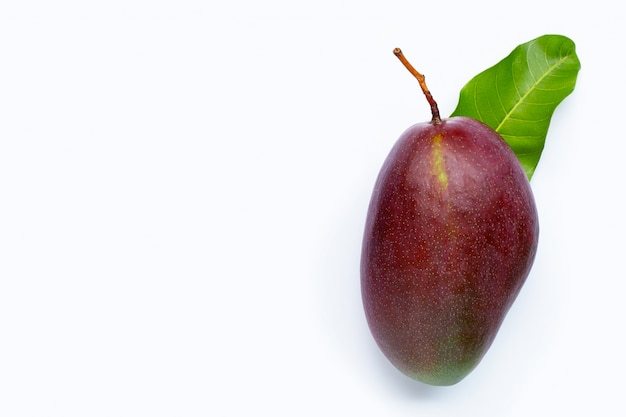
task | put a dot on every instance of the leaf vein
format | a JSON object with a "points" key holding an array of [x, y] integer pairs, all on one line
{"points": [[508, 114]]}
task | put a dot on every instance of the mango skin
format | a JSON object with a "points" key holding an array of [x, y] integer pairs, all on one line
{"points": [[451, 235]]}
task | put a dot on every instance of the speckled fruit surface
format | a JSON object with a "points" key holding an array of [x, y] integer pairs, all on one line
{"points": [[450, 237]]}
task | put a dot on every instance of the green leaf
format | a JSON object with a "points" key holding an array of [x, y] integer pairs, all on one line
{"points": [[518, 95]]}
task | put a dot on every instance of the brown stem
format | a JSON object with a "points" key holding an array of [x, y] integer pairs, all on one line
{"points": [[422, 81]]}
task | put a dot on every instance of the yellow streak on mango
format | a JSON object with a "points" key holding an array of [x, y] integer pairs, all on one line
{"points": [[439, 165]]}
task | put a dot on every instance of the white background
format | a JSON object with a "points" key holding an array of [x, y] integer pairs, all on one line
{"points": [[183, 188]]}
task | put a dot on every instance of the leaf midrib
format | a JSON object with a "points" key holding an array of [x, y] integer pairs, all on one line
{"points": [[532, 88]]}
